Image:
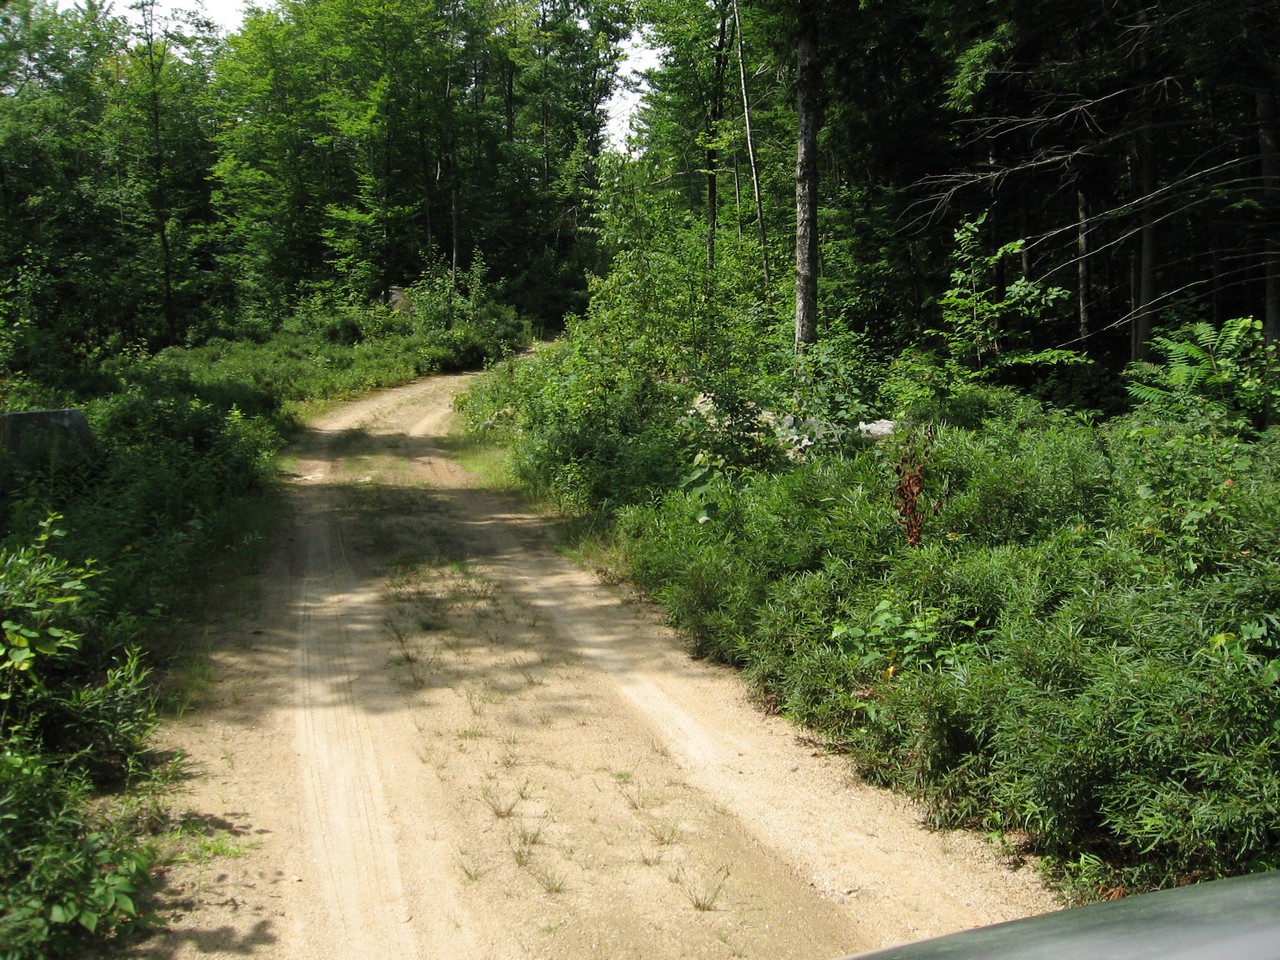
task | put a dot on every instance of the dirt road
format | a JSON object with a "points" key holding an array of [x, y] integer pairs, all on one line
{"points": [[429, 736]]}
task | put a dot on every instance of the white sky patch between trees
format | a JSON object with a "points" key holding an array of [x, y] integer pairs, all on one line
{"points": [[637, 57]]}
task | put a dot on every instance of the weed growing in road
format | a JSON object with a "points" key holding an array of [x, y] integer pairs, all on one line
{"points": [[639, 799], [208, 844], [478, 697], [702, 894], [401, 640], [522, 848], [551, 881], [407, 653], [523, 855], [472, 871], [501, 807], [664, 834]]}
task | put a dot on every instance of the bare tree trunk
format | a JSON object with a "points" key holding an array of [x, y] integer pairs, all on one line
{"points": [[737, 193], [1082, 259], [1269, 153], [808, 76], [714, 116], [1143, 311], [751, 148], [1144, 302], [157, 57]]}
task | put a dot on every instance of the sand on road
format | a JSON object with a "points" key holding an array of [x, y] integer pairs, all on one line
{"points": [[429, 735]]}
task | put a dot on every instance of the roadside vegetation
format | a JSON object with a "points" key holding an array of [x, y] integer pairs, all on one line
{"points": [[1034, 236], [201, 236], [98, 554], [1050, 624], [1045, 604]]}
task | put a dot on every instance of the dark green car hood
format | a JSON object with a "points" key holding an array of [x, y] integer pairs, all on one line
{"points": [[1235, 919]]}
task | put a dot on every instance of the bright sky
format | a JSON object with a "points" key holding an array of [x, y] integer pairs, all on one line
{"points": [[227, 13]]}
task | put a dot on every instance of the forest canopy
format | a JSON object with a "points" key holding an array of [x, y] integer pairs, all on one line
{"points": [[1115, 165]]}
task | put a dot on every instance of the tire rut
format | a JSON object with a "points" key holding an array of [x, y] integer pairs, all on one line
{"points": [[435, 737]]}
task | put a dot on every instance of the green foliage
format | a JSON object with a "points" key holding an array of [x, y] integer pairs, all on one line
{"points": [[673, 369], [35, 588], [182, 440], [70, 881], [357, 141], [1225, 377], [66, 724], [920, 387], [714, 552], [1081, 650], [838, 381], [464, 315], [594, 434], [986, 322]]}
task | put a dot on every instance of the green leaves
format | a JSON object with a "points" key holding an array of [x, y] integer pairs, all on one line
{"points": [[36, 591], [1225, 377], [1082, 648], [63, 723], [887, 642], [984, 322]]}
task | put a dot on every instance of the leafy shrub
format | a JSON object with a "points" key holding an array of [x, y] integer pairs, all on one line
{"points": [[839, 381], [68, 880], [465, 312], [66, 723], [1225, 377], [1008, 483], [1039, 626], [182, 439], [922, 388], [1181, 491], [713, 553], [593, 435], [1082, 650]]}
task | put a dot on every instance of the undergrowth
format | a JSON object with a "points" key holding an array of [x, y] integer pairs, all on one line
{"points": [[1068, 638], [98, 550]]}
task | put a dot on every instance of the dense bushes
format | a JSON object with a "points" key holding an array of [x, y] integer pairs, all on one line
{"points": [[1082, 648], [74, 716]]}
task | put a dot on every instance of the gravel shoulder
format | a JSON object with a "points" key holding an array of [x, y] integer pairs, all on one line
{"points": [[429, 735]]}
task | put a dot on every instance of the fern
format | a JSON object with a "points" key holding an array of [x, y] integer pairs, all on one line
{"points": [[1224, 376]]}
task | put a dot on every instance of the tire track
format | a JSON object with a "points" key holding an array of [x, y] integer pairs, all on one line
{"points": [[453, 743], [344, 813]]}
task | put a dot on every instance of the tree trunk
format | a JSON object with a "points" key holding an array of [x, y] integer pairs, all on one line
{"points": [[1269, 153], [751, 148], [1082, 259], [156, 60], [808, 77], [1145, 294], [1144, 291], [714, 116]]}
